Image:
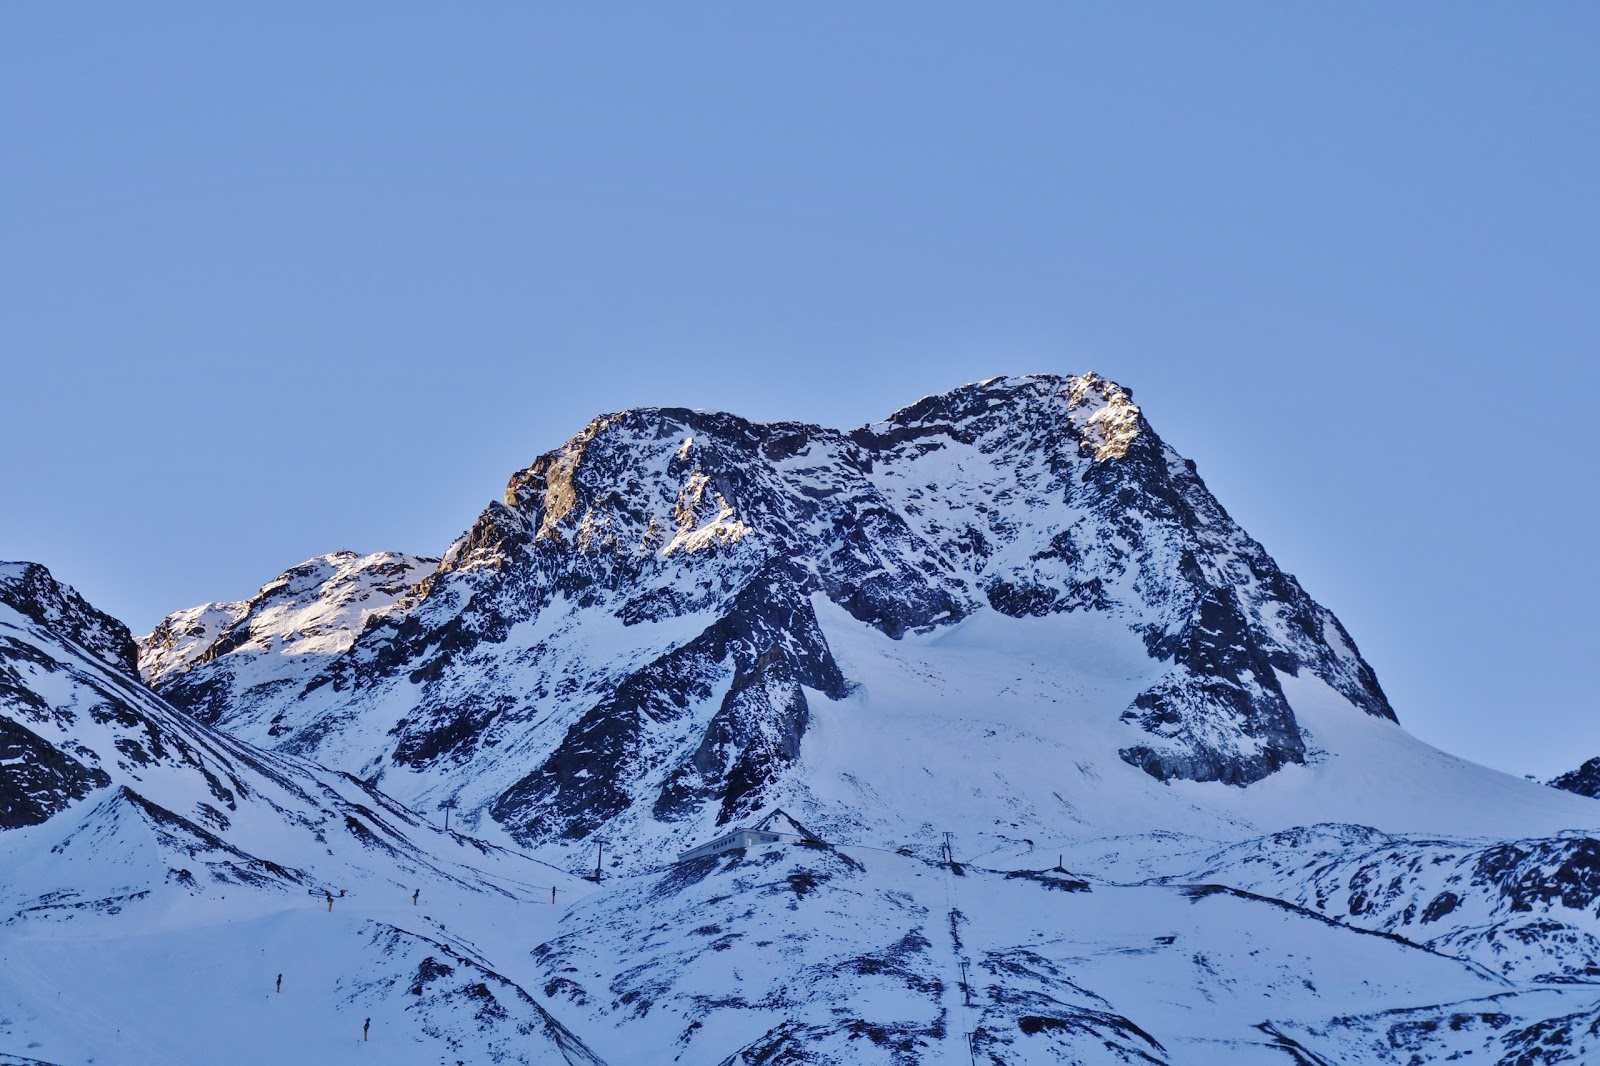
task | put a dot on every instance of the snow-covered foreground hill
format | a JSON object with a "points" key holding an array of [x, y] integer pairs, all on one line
{"points": [[183, 982], [797, 954], [1095, 782], [156, 876]]}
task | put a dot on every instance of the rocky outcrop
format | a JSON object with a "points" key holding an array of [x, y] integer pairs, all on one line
{"points": [[39, 779], [30, 590], [1525, 909], [1585, 780], [759, 655]]}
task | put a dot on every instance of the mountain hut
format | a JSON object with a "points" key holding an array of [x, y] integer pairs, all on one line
{"points": [[769, 830]]}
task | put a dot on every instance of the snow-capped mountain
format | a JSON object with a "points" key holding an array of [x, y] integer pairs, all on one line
{"points": [[650, 625], [1084, 776]]}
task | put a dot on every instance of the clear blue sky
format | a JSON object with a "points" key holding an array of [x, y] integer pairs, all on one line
{"points": [[281, 279]]}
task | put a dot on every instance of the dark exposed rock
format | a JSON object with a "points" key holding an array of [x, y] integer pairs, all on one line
{"points": [[1537, 872], [1585, 780], [1052, 879], [37, 779], [1439, 906], [30, 589], [769, 641]]}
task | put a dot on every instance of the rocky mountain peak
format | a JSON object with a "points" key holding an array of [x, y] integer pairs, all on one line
{"points": [[1112, 423], [32, 591], [311, 613], [602, 490], [644, 625], [1090, 412]]}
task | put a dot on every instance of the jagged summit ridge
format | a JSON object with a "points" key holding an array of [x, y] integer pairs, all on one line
{"points": [[638, 625]]}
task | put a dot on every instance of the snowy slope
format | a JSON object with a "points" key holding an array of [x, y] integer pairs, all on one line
{"points": [[1540, 1027], [793, 954], [97, 750], [1524, 908], [139, 842]]}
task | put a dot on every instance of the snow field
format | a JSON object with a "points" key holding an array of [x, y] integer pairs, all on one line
{"points": [[202, 991]]}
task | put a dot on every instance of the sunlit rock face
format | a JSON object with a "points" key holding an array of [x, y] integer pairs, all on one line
{"points": [[636, 631], [306, 614]]}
